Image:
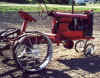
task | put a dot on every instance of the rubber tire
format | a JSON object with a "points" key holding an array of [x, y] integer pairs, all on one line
{"points": [[2, 39], [46, 61], [77, 44], [88, 54], [4, 36]]}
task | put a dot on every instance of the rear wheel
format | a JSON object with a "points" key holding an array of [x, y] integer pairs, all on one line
{"points": [[33, 52], [5, 35], [4, 45]]}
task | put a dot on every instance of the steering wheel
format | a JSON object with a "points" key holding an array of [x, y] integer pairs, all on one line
{"points": [[26, 16]]}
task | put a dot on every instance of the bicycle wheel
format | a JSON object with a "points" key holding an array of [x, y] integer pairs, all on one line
{"points": [[12, 33], [89, 50], [79, 46], [33, 52], [6, 35], [3, 41], [4, 45]]}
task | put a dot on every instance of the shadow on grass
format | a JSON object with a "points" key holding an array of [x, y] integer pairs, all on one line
{"points": [[90, 64], [17, 73]]}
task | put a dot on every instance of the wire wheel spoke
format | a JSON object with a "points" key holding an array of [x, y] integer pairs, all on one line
{"points": [[2, 44], [7, 35], [32, 52], [79, 46], [89, 51]]}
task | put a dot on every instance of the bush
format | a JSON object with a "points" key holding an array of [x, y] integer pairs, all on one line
{"points": [[31, 1], [15, 1]]}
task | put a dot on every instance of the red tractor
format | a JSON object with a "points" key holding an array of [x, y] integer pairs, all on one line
{"points": [[68, 27], [33, 50]]}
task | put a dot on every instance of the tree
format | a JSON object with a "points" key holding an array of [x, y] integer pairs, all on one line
{"points": [[16, 1]]}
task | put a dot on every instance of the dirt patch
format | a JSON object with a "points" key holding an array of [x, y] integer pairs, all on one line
{"points": [[65, 63]]}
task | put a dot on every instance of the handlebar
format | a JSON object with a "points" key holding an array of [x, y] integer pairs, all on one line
{"points": [[26, 16]]}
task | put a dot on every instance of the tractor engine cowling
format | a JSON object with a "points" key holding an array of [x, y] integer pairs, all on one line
{"points": [[77, 22]]}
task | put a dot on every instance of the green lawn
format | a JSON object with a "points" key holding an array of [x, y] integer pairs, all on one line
{"points": [[5, 7]]}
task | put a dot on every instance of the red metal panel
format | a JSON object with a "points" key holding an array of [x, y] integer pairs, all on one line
{"points": [[59, 14], [65, 32], [73, 34]]}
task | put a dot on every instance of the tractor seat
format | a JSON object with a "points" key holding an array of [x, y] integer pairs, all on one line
{"points": [[26, 16]]}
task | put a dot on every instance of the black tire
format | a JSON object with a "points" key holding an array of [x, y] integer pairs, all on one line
{"points": [[9, 33], [79, 46], [4, 45], [3, 41], [12, 33], [89, 50], [31, 53]]}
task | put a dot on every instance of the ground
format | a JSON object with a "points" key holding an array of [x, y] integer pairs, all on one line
{"points": [[64, 64]]}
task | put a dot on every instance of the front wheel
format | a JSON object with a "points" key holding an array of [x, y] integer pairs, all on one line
{"points": [[89, 50], [6, 35], [33, 51], [79, 46]]}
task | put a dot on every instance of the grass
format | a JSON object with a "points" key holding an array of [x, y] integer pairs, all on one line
{"points": [[6, 7]]}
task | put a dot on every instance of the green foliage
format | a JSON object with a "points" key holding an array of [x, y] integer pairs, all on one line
{"points": [[46, 1], [15, 1], [58, 1], [54, 1], [5, 7], [31, 1], [70, 2], [17, 8]]}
